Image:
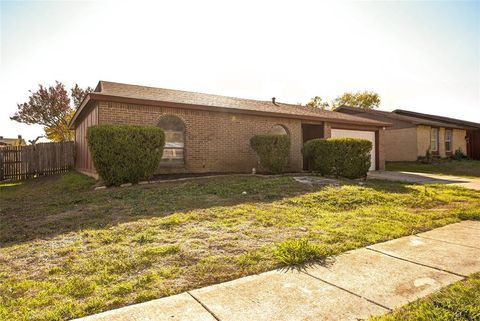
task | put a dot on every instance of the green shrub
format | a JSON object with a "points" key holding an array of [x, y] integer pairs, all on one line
{"points": [[344, 157], [273, 151], [458, 155], [318, 153], [427, 159], [125, 153], [299, 252]]}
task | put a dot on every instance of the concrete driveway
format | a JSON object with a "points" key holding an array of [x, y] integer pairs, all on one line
{"points": [[357, 284], [424, 178]]}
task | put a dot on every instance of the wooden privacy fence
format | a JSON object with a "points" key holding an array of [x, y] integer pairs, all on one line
{"points": [[22, 162]]}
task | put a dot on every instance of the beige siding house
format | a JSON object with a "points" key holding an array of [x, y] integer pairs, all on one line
{"points": [[410, 137], [19, 141], [211, 133]]}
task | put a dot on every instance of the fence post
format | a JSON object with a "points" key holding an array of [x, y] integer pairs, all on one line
{"points": [[1, 166]]}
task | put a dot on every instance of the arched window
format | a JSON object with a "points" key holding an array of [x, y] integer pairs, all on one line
{"points": [[278, 130], [173, 152]]}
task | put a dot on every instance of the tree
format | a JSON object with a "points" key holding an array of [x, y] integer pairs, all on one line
{"points": [[34, 141], [51, 107], [316, 102], [360, 99], [78, 94]]}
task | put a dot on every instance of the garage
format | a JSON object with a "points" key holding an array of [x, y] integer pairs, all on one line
{"points": [[370, 135]]}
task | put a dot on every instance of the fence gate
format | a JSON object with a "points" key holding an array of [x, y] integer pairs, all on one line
{"points": [[22, 162]]}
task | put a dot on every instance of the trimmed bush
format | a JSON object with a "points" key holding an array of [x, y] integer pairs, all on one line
{"points": [[125, 153], [273, 151], [342, 157], [318, 153]]}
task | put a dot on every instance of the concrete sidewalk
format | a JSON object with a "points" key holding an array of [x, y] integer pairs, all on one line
{"points": [[358, 284], [425, 178]]}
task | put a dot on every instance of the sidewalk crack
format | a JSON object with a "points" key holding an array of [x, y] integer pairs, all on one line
{"points": [[425, 265], [343, 289], [204, 306], [448, 242]]}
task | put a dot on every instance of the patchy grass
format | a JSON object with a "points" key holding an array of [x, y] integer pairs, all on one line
{"points": [[458, 302], [466, 168], [67, 251]]}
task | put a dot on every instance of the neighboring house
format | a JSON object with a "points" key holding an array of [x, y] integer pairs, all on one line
{"points": [[211, 133], [410, 137], [473, 130], [19, 141]]}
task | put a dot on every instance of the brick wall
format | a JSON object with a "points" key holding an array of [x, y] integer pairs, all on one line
{"points": [[423, 139], [458, 140], [381, 149], [214, 142], [401, 144]]}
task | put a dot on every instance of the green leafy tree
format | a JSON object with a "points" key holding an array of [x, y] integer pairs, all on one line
{"points": [[52, 108], [361, 99], [317, 102]]}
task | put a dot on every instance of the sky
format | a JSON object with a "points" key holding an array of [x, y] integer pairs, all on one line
{"points": [[419, 56]]}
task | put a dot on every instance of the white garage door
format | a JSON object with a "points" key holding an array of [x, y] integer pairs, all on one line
{"points": [[340, 133]]}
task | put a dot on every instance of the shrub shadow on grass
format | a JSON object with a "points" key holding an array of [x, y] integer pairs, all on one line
{"points": [[390, 186], [49, 206], [304, 267]]}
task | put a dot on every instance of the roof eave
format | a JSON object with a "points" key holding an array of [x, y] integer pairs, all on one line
{"points": [[79, 110], [400, 116], [459, 123], [93, 96]]}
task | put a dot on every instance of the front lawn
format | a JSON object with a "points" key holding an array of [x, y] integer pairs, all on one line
{"points": [[467, 168], [67, 251], [457, 302]]}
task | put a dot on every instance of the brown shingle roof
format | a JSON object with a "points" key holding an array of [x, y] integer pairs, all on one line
{"points": [[393, 115], [108, 90], [436, 117]]}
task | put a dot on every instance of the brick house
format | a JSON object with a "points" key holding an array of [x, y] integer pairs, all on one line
{"points": [[211, 133], [412, 134]]}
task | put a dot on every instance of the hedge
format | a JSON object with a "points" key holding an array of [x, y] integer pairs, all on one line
{"points": [[272, 150], [125, 153], [341, 157], [318, 153]]}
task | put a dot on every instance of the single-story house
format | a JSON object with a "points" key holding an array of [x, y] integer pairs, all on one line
{"points": [[19, 141], [473, 129], [211, 133], [411, 136]]}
